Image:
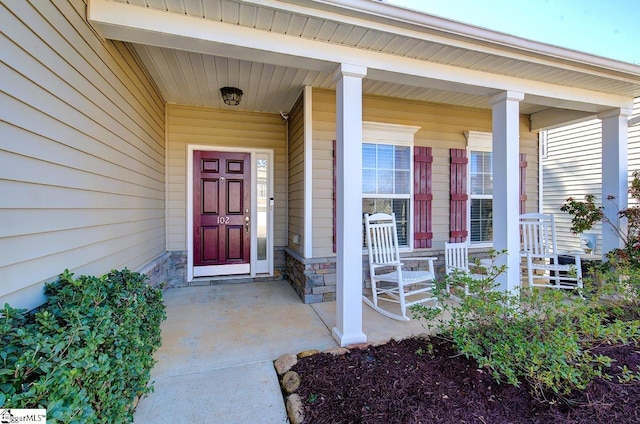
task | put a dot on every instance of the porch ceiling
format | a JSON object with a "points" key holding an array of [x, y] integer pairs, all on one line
{"points": [[271, 49]]}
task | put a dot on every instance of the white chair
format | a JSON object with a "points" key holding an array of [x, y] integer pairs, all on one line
{"points": [[396, 285], [539, 248], [456, 260]]}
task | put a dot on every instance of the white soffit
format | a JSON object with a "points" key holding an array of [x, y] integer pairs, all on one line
{"points": [[553, 118], [402, 48]]}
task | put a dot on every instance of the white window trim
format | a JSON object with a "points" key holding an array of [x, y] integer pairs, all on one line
{"points": [[399, 135], [477, 141]]}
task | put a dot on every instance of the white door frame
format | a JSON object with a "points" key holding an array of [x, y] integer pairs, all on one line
{"points": [[264, 267]]}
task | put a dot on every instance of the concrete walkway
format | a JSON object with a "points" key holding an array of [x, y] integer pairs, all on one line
{"points": [[219, 343]]}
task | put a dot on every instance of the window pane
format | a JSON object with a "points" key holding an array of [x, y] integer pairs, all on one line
{"points": [[372, 206], [368, 155], [368, 181], [368, 207], [475, 163], [401, 209], [385, 182], [488, 184], [481, 220], [402, 185], [476, 184], [481, 173], [385, 156], [262, 202], [403, 157], [487, 162], [398, 206]]}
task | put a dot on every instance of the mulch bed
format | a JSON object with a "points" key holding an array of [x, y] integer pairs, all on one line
{"points": [[402, 382]]}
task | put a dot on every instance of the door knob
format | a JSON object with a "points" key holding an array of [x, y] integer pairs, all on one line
{"points": [[246, 223]]}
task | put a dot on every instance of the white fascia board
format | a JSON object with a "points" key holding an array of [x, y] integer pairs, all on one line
{"points": [[398, 20], [153, 27], [451, 78], [136, 24]]}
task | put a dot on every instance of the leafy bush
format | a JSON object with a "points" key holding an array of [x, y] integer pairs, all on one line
{"points": [[616, 282], [544, 338], [615, 285], [87, 353], [585, 214]]}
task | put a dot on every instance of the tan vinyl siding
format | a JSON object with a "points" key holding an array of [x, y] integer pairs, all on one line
{"points": [[322, 195], [529, 145], [82, 164], [573, 168], [442, 128], [296, 176], [212, 127]]}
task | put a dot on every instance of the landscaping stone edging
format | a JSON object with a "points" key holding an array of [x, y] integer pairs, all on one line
{"points": [[290, 380]]}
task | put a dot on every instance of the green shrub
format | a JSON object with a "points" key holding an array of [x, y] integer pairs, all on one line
{"points": [[87, 353], [615, 286], [542, 337], [585, 214]]}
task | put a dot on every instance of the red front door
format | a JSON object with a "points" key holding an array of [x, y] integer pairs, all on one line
{"points": [[221, 213]]}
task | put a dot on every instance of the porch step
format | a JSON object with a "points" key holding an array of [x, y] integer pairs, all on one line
{"points": [[209, 281]]}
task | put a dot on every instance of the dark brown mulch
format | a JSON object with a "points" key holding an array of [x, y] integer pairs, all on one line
{"points": [[400, 382]]}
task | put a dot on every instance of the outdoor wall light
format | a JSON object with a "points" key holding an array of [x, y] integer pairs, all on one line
{"points": [[231, 95]]}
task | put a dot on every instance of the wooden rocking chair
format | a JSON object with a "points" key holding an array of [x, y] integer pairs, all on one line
{"points": [[397, 286], [456, 260], [539, 248]]}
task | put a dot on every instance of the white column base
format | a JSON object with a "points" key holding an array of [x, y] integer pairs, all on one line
{"points": [[345, 340]]}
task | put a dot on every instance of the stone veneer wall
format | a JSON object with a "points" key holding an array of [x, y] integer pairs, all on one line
{"points": [[315, 279], [170, 269], [156, 270]]}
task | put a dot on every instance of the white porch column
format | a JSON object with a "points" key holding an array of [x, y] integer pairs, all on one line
{"points": [[615, 164], [348, 329], [506, 188]]}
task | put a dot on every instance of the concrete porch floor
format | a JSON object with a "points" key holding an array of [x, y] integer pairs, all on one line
{"points": [[219, 342]]}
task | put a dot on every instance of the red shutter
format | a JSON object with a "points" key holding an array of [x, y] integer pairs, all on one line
{"points": [[458, 191], [523, 182], [422, 197], [335, 198]]}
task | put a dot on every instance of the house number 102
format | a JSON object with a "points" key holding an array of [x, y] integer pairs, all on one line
{"points": [[223, 220]]}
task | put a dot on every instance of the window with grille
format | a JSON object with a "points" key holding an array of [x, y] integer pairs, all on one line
{"points": [[481, 196], [386, 184]]}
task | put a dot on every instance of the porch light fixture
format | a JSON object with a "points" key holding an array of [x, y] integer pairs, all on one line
{"points": [[231, 95]]}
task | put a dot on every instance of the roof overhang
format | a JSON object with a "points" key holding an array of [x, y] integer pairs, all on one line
{"points": [[557, 83]]}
